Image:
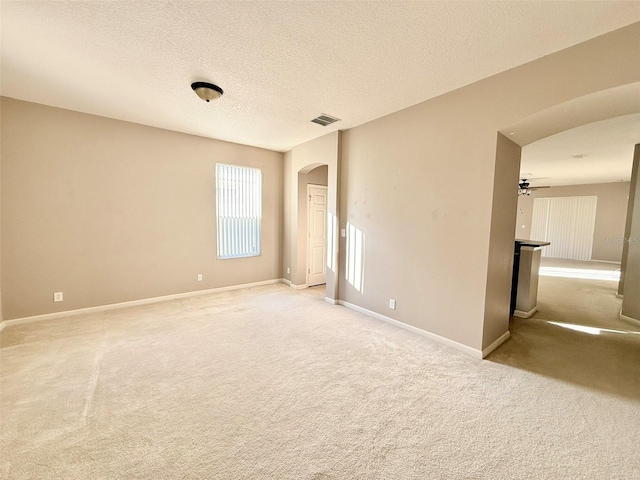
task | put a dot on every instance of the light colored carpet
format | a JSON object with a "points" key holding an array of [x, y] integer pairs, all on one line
{"points": [[557, 267], [576, 336], [272, 383]]}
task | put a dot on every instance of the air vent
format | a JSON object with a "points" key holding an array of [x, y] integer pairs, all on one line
{"points": [[325, 120], [580, 155]]}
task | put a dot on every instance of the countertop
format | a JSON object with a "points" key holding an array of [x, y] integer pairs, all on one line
{"points": [[532, 243]]}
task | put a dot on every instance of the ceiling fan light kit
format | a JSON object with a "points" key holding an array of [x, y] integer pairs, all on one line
{"points": [[524, 188]]}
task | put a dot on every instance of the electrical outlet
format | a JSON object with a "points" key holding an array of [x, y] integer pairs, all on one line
{"points": [[288, 270], [392, 304], [199, 277], [343, 232], [58, 297]]}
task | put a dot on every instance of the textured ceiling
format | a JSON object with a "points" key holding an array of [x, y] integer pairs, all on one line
{"points": [[605, 149], [280, 63]]}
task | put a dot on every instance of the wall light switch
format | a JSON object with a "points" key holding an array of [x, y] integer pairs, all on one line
{"points": [[343, 232], [199, 277], [288, 270], [58, 297], [523, 226], [392, 304]]}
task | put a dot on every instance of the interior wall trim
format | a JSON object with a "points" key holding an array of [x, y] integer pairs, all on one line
{"points": [[432, 336], [146, 301], [132, 303], [521, 314], [628, 319], [298, 287], [503, 338]]}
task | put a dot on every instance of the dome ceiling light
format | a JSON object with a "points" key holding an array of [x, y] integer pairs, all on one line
{"points": [[207, 91]]}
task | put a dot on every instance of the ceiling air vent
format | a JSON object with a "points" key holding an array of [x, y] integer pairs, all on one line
{"points": [[325, 120]]}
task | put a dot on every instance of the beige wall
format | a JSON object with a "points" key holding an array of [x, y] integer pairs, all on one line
{"points": [[108, 211], [1, 315], [610, 215], [501, 241], [403, 180], [630, 281], [286, 216]]}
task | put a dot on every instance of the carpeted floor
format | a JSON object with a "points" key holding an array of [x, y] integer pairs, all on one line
{"points": [[273, 383], [576, 336]]}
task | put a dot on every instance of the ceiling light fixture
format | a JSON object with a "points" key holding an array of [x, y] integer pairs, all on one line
{"points": [[207, 91]]}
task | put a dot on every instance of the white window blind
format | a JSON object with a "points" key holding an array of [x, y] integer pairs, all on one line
{"points": [[238, 210], [568, 223]]}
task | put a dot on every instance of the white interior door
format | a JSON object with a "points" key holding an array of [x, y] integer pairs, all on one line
{"points": [[317, 228], [568, 223]]}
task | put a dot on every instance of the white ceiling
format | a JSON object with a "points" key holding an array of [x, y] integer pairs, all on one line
{"points": [[607, 147], [280, 63]]}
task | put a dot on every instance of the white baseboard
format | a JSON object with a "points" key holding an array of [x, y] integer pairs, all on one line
{"points": [[521, 314], [496, 344], [605, 261], [445, 341], [298, 287], [146, 301], [627, 319], [132, 303], [619, 295], [286, 281]]}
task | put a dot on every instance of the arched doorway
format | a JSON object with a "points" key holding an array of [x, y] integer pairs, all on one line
{"points": [[603, 105], [312, 163]]}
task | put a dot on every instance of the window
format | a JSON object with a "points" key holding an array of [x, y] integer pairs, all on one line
{"points": [[238, 210], [568, 223]]}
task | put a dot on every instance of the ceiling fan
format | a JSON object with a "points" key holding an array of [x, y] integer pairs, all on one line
{"points": [[525, 188]]}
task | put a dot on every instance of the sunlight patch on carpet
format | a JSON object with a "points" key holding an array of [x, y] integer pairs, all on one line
{"points": [[590, 274], [591, 330]]}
